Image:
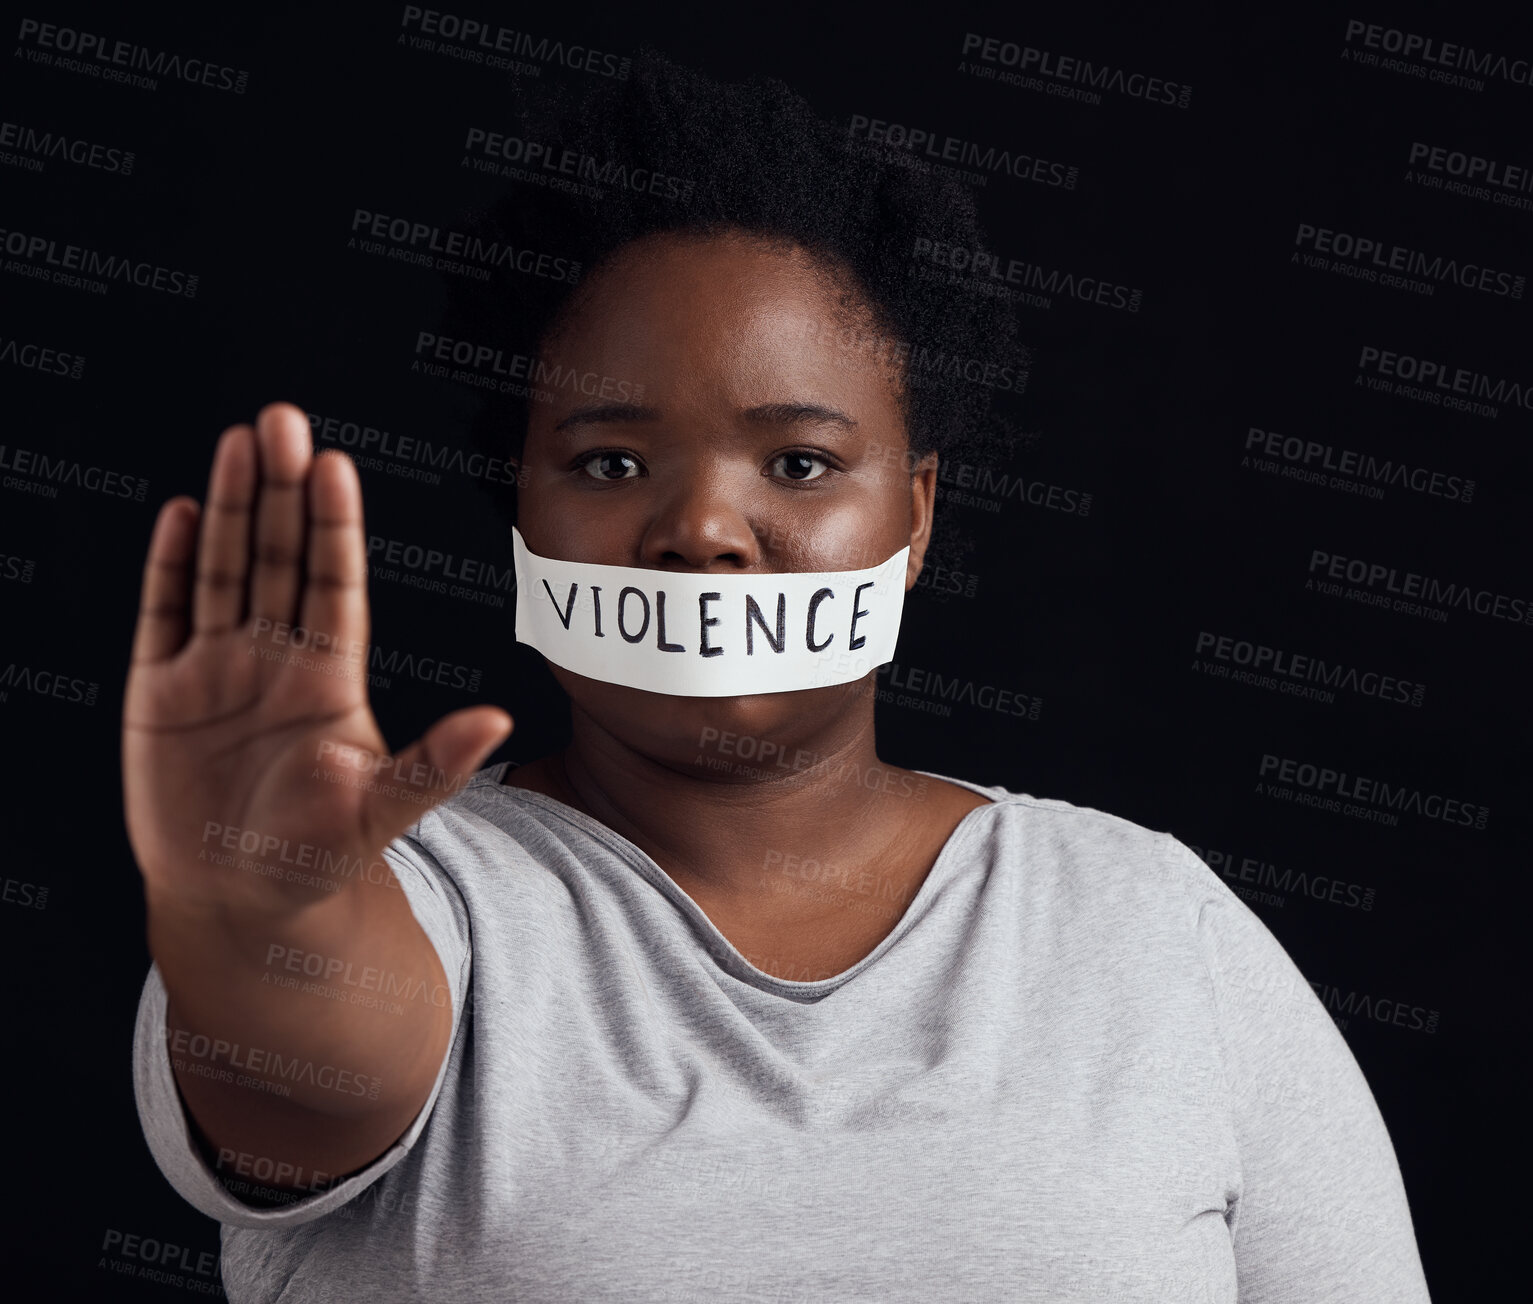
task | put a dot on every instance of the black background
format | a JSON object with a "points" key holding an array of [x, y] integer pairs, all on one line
{"points": [[1093, 615]]}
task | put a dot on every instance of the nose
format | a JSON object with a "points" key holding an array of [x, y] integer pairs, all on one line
{"points": [[703, 523]]}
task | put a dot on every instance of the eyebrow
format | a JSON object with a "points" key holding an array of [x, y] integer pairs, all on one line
{"points": [[781, 414], [787, 414], [600, 413]]}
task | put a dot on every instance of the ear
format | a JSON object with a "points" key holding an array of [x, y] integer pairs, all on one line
{"points": [[923, 498]]}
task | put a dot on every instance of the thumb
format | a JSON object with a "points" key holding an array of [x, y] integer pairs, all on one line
{"points": [[436, 766]]}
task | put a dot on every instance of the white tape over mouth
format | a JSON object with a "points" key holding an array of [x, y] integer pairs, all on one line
{"points": [[693, 635]]}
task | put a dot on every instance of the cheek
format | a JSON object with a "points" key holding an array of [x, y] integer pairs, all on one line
{"points": [[558, 519], [844, 531]]}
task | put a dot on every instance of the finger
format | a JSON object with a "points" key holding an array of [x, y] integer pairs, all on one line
{"points": [[335, 587], [432, 769], [166, 591], [223, 547], [285, 450]]}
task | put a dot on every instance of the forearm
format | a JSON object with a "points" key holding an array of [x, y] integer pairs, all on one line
{"points": [[339, 1009]]}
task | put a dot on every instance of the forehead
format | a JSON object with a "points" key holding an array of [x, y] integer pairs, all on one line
{"points": [[733, 305]]}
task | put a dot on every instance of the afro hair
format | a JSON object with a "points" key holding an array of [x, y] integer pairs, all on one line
{"points": [[669, 150]]}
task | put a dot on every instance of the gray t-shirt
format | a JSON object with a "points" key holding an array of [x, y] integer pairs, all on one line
{"points": [[1079, 1068]]}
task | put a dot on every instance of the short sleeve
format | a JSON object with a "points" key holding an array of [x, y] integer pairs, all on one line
{"points": [[439, 908], [1322, 1213]]}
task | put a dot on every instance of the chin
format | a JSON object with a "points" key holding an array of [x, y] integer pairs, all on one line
{"points": [[691, 732]]}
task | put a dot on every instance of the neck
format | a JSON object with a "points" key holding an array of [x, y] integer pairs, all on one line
{"points": [[724, 831]]}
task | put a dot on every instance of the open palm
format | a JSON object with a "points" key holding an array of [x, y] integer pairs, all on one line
{"points": [[248, 741]]}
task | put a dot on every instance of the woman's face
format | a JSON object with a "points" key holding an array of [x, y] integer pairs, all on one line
{"points": [[758, 443]]}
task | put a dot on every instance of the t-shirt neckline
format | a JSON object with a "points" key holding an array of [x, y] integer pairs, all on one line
{"points": [[737, 965]]}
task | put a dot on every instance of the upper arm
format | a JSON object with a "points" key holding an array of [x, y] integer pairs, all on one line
{"points": [[1322, 1212]]}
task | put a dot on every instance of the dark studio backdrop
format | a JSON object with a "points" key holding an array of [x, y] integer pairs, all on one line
{"points": [[1254, 570]]}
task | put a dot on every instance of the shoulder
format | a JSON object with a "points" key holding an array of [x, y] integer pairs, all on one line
{"points": [[500, 847], [1102, 864], [483, 804], [480, 824], [1112, 845], [1140, 887]]}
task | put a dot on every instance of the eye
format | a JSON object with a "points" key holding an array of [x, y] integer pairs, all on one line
{"points": [[610, 460], [797, 465]]}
